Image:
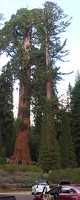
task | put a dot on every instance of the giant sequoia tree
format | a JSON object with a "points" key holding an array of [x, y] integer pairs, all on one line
{"points": [[17, 46], [51, 27], [31, 40]]}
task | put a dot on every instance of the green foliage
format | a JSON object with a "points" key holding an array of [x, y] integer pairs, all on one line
{"points": [[70, 174], [34, 143], [50, 21], [21, 124], [49, 157], [67, 153], [69, 91], [75, 109], [18, 179], [9, 167], [43, 24], [6, 110], [1, 142], [36, 21], [31, 168], [13, 137], [22, 168], [2, 155], [21, 178]]}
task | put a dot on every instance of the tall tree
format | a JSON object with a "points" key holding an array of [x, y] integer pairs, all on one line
{"points": [[6, 110], [48, 25], [17, 46], [48, 30], [22, 148], [75, 109], [49, 157], [32, 38], [67, 152]]}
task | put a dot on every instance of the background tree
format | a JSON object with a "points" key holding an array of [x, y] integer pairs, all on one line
{"points": [[2, 156], [34, 144], [6, 110], [75, 109], [67, 152], [2, 151], [49, 157], [68, 93]]}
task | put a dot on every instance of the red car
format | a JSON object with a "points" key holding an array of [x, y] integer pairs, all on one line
{"points": [[61, 192]]}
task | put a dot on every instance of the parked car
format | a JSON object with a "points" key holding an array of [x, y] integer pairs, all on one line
{"points": [[64, 182], [7, 197], [38, 186], [61, 192]]}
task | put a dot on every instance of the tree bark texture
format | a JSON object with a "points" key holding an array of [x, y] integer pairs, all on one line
{"points": [[48, 86], [22, 146]]}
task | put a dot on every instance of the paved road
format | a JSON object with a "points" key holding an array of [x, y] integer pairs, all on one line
{"points": [[24, 197], [21, 195]]}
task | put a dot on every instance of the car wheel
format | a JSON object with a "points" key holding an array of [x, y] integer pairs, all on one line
{"points": [[32, 193]]}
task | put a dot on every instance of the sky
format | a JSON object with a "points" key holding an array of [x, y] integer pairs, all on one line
{"points": [[72, 9]]}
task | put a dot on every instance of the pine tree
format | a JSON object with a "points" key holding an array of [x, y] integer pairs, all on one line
{"points": [[69, 91], [2, 156], [67, 152], [49, 157], [6, 110], [1, 142], [75, 109], [2, 150]]}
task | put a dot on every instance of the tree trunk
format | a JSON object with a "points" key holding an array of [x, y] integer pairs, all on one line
{"points": [[22, 146], [48, 86]]}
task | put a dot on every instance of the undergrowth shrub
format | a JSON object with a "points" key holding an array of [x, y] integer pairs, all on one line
{"points": [[31, 168], [10, 167], [73, 175], [28, 174], [16, 167]]}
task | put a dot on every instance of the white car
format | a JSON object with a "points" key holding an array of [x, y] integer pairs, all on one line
{"points": [[37, 188]]}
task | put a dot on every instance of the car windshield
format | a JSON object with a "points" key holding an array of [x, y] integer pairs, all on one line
{"points": [[64, 182], [42, 183]]}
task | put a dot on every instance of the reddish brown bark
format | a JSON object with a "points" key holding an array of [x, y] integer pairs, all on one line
{"points": [[48, 86], [22, 146]]}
